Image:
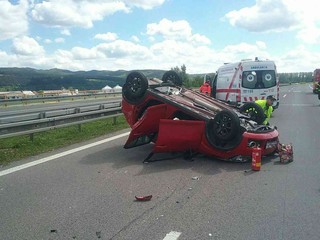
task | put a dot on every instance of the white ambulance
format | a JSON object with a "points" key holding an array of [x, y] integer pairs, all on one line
{"points": [[246, 81]]}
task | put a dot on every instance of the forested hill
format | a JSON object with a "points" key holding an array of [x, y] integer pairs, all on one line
{"points": [[35, 80]]}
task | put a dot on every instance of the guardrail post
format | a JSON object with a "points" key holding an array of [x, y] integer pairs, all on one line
{"points": [[114, 120], [31, 135]]}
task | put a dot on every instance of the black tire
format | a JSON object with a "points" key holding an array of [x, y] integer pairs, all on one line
{"points": [[135, 88], [172, 77], [319, 95], [224, 127], [254, 111]]}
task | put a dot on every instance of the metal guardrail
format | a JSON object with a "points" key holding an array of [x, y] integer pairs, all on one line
{"points": [[28, 123], [50, 98]]}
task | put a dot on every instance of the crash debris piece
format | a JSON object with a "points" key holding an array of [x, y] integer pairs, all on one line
{"points": [[285, 152], [143, 198]]}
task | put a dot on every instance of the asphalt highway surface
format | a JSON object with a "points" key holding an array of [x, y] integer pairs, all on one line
{"points": [[90, 193]]}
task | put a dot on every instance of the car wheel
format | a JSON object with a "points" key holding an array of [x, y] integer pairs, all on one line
{"points": [[254, 111], [135, 88], [173, 77], [225, 126]]}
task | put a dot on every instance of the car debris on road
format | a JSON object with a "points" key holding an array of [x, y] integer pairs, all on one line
{"points": [[143, 198], [285, 153]]}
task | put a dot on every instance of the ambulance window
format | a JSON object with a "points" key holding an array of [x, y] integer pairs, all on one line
{"points": [[268, 79], [249, 79]]}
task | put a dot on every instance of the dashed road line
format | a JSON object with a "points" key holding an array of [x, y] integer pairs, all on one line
{"points": [[172, 235], [298, 104], [59, 155], [284, 95]]}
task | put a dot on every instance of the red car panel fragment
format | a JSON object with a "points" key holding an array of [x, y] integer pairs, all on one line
{"points": [[179, 135]]}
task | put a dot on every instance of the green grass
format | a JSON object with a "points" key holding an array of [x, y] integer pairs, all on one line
{"points": [[15, 148]]}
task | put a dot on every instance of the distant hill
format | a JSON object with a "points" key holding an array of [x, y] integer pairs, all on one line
{"points": [[35, 80]]}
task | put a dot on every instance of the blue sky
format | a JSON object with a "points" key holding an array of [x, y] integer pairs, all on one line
{"points": [[158, 34]]}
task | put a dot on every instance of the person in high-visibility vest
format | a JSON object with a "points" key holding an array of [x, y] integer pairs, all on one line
{"points": [[318, 89], [266, 105], [206, 88]]}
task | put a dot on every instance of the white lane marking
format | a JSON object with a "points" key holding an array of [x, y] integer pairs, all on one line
{"points": [[172, 235], [284, 95], [310, 86], [298, 104], [47, 159], [297, 91]]}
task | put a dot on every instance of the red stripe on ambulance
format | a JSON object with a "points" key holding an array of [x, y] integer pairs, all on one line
{"points": [[228, 90], [233, 78]]}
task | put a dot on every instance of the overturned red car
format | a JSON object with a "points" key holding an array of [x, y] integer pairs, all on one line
{"points": [[177, 119]]}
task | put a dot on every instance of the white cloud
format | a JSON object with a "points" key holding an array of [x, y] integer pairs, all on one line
{"points": [[62, 58], [122, 49], [13, 19], [298, 59], [177, 30], [261, 45], [59, 40], [109, 36], [56, 40], [26, 46], [234, 53], [65, 32], [72, 13], [170, 29], [5, 59], [197, 58], [173, 44], [47, 41], [200, 39], [145, 4], [135, 38], [152, 39], [310, 34], [280, 15], [165, 54], [79, 53], [82, 13], [265, 15]]}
